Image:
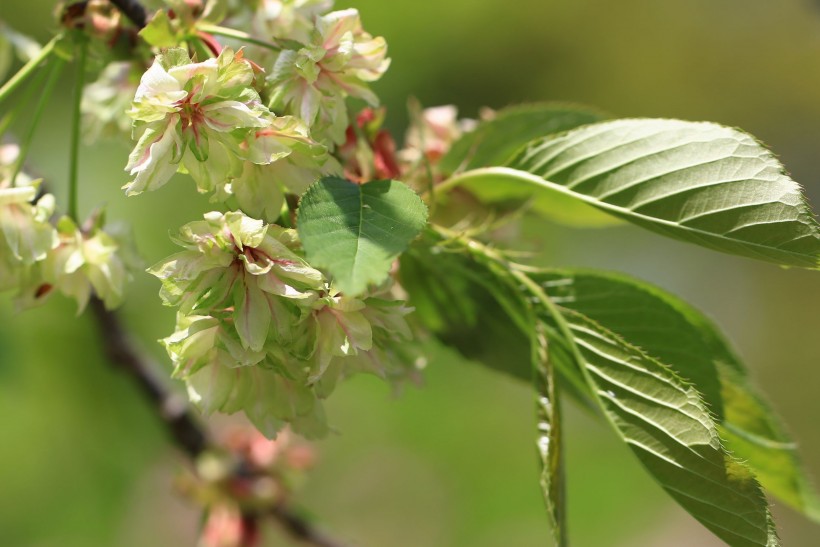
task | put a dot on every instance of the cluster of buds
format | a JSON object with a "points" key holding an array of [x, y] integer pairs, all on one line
{"points": [[240, 483], [262, 332], [38, 258]]}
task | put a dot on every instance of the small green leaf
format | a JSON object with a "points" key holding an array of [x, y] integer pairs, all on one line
{"points": [[355, 232], [669, 329], [697, 182], [160, 32]]}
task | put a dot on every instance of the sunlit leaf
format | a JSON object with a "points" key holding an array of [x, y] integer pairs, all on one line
{"points": [[668, 427], [356, 231], [678, 335], [696, 182], [495, 141]]}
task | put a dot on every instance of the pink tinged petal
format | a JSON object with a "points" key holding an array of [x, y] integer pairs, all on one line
{"points": [[268, 145], [23, 194], [157, 82], [333, 26], [311, 100], [229, 115], [214, 173], [154, 160], [252, 315], [208, 69]]}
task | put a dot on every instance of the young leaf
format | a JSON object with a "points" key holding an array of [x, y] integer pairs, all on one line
{"points": [[549, 439], [495, 141], [696, 182], [356, 231], [667, 328]]}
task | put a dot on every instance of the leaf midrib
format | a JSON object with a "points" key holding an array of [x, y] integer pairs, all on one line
{"points": [[519, 174]]}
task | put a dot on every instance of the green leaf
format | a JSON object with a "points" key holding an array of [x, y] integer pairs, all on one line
{"points": [[356, 231], [495, 141], [696, 182], [160, 32], [549, 437], [668, 427], [467, 308], [670, 330], [658, 414], [479, 310]]}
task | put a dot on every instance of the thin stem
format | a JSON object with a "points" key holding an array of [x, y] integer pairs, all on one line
{"points": [[12, 115], [74, 163], [28, 69], [25, 144], [237, 35]]}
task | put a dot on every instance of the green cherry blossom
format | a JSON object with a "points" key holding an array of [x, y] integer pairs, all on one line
{"points": [[235, 263], [193, 117], [223, 376], [89, 260], [339, 61]]}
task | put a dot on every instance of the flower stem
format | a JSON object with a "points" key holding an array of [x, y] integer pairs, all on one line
{"points": [[73, 169], [28, 69], [14, 113], [25, 144], [237, 35]]}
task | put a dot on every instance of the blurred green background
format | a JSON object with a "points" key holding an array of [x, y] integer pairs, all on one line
{"points": [[82, 462]]}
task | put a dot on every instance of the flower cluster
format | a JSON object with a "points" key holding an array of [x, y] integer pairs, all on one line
{"points": [[338, 61], [260, 331], [36, 257], [207, 119]]}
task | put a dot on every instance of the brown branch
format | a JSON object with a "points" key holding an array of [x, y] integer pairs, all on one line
{"points": [[176, 414], [182, 424], [133, 10]]}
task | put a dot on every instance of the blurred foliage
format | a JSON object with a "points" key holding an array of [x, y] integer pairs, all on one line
{"points": [[83, 463]]}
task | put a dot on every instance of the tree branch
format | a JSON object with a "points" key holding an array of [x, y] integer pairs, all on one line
{"points": [[182, 424], [133, 10]]}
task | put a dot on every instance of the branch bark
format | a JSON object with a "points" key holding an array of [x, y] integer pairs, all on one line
{"points": [[133, 10], [182, 425]]}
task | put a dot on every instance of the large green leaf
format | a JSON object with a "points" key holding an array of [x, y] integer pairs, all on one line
{"points": [[678, 335], [666, 424], [356, 231], [658, 414], [495, 141], [696, 182]]}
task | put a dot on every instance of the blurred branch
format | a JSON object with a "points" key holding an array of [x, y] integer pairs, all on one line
{"points": [[133, 10], [181, 423], [119, 349]]}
